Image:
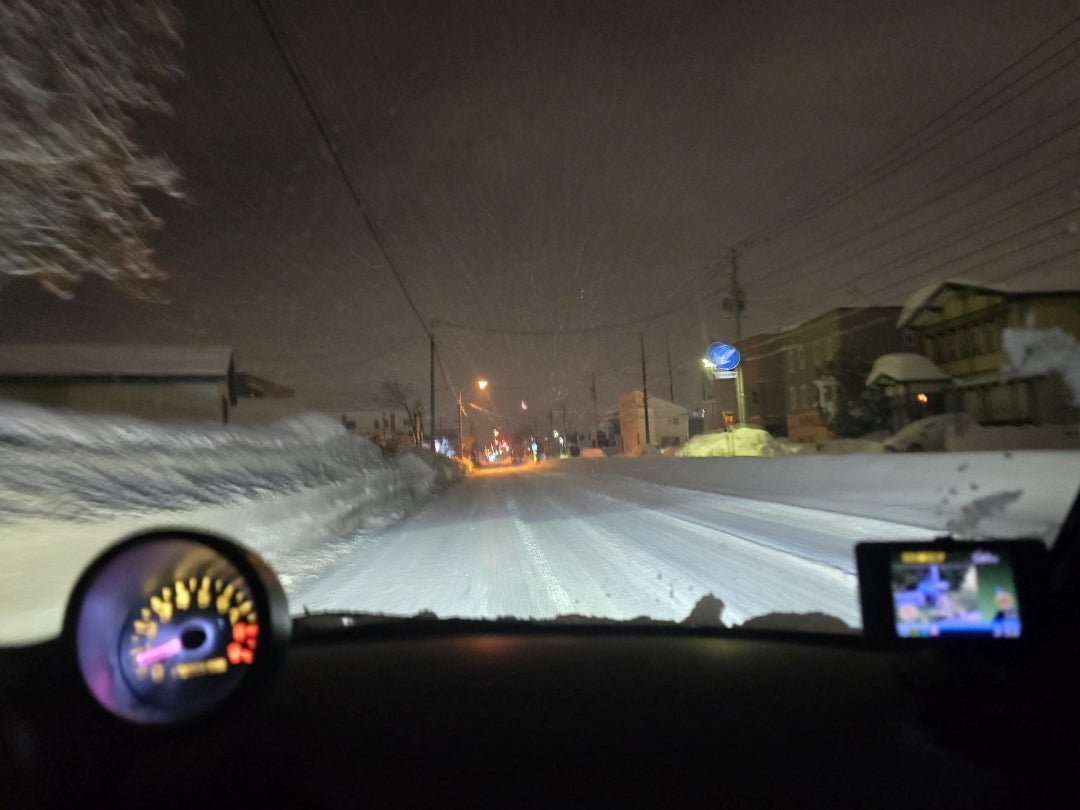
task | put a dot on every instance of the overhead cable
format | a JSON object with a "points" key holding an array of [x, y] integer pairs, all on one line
{"points": [[293, 66]]}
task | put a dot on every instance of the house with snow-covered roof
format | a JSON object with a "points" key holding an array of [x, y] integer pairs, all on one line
{"points": [[958, 326], [163, 382]]}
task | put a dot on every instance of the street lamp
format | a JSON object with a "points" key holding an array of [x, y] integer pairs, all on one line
{"points": [[481, 384]]}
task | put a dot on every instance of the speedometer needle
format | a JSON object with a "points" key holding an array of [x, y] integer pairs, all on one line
{"points": [[159, 653]]}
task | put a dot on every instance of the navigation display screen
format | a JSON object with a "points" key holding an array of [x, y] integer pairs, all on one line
{"points": [[954, 592]]}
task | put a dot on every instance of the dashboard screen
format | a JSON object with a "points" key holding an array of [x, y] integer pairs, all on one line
{"points": [[954, 592]]}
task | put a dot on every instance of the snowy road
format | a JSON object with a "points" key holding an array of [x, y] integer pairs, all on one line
{"points": [[556, 539]]}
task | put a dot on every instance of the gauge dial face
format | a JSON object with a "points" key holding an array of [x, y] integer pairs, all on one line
{"points": [[170, 625], [195, 629]]}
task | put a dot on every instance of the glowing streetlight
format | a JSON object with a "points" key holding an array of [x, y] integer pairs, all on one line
{"points": [[481, 384]]}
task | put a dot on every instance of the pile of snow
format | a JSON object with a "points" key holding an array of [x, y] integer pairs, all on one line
{"points": [[929, 434], [905, 367], [1024, 437], [1042, 351], [79, 467], [757, 443], [298, 492], [958, 432], [743, 441], [839, 447], [431, 471]]}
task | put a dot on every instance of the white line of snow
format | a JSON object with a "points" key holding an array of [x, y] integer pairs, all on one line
{"points": [[560, 599]]}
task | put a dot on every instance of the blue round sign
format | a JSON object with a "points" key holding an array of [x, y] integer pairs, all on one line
{"points": [[723, 357]]}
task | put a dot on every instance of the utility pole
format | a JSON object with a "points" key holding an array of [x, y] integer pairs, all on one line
{"points": [[595, 413], [670, 376], [735, 303], [644, 390], [565, 437], [431, 382], [460, 430], [551, 427]]}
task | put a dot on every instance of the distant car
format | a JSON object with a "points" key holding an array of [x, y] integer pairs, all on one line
{"points": [[929, 433]]}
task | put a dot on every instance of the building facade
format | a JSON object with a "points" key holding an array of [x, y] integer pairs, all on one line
{"points": [[793, 379], [152, 382], [764, 394], [958, 326], [669, 424]]}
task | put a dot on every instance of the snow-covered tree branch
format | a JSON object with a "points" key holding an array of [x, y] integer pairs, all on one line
{"points": [[72, 73]]}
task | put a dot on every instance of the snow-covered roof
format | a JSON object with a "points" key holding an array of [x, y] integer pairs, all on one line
{"points": [[905, 367], [932, 295], [655, 402], [112, 360]]}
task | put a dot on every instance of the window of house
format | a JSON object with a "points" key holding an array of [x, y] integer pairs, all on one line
{"points": [[977, 341], [790, 359], [793, 399], [816, 349], [930, 348], [804, 397], [802, 358]]}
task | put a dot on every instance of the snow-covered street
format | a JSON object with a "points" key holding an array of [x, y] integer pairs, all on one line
{"points": [[562, 538], [621, 538]]}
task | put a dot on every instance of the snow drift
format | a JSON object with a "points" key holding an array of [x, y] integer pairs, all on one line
{"points": [[298, 492]]}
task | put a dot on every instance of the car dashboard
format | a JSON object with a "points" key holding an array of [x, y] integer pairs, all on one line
{"points": [[336, 710]]}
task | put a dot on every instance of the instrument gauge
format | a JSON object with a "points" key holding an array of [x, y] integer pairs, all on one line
{"points": [[170, 625]]}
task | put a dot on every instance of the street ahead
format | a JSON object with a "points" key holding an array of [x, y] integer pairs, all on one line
{"points": [[559, 538]]}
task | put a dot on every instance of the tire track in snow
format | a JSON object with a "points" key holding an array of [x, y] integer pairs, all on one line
{"points": [[556, 593]]}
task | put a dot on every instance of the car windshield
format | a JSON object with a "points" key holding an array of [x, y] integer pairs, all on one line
{"points": [[535, 309]]}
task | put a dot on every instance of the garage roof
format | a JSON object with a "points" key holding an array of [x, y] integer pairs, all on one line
{"points": [[113, 360]]}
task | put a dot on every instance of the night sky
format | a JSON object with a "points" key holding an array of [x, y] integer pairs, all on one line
{"points": [[557, 166]]}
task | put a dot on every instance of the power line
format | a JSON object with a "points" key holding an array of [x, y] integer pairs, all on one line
{"points": [[1068, 254], [968, 229], [843, 238], [295, 72], [892, 167], [582, 330], [997, 258], [912, 258], [807, 211]]}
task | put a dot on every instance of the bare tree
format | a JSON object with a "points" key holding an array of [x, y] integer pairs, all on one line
{"points": [[72, 73], [396, 394]]}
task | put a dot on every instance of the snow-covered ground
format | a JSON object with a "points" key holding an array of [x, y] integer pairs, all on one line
{"points": [[72, 484], [610, 537], [626, 537]]}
